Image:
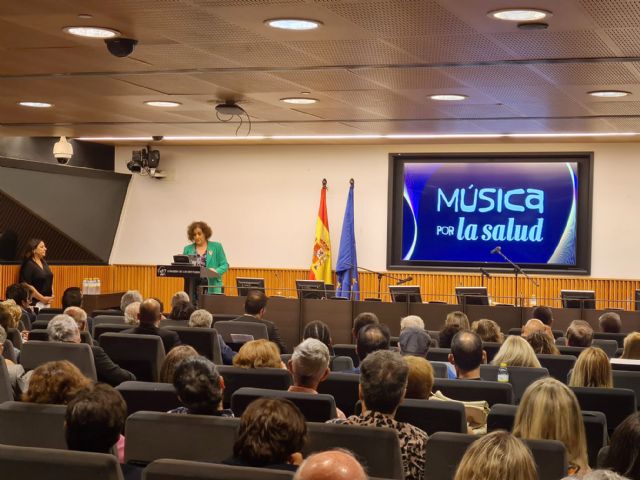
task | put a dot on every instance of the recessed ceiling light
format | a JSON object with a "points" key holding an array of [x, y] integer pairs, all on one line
{"points": [[36, 104], [293, 23], [92, 32], [520, 14], [609, 93], [449, 97], [162, 104], [85, 16], [299, 101]]}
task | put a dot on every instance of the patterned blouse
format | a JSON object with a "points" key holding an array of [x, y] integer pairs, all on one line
{"points": [[412, 440]]}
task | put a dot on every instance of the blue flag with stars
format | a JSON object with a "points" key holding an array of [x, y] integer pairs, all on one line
{"points": [[347, 264]]}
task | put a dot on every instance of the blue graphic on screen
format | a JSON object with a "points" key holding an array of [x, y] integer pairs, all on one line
{"points": [[458, 212]]}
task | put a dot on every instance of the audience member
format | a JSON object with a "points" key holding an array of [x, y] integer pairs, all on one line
{"points": [[200, 388], [258, 354], [631, 350], [55, 383], [497, 456], [624, 448], [414, 341], [181, 311], [129, 297], [467, 355], [255, 306], [488, 330], [446, 335], [383, 382], [21, 294], [309, 366], [549, 410], [79, 315], [320, 331], [457, 318], [331, 465], [16, 371], [592, 369], [272, 434], [516, 352], [173, 358], [411, 321], [131, 313], [420, 379], [579, 334], [544, 314], [162, 317], [72, 297], [361, 321], [10, 315], [63, 328], [203, 319], [372, 338], [542, 343], [535, 325], [179, 297], [610, 322], [149, 317]]}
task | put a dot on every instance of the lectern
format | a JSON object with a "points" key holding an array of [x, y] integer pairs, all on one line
{"points": [[191, 274]]}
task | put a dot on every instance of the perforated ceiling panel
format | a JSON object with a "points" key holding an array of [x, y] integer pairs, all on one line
{"points": [[588, 74], [551, 44], [613, 13]]}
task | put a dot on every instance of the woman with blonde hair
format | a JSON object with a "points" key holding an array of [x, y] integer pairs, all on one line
{"points": [[488, 330], [631, 350], [516, 352], [258, 354], [457, 318], [549, 410], [12, 320], [592, 369], [420, 379], [497, 456]]}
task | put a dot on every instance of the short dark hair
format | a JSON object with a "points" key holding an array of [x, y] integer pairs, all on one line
{"points": [[610, 322], [197, 383], [206, 230], [94, 419], [72, 297], [18, 292], [383, 378], [182, 310], [320, 331], [543, 313], [149, 311], [270, 431], [623, 455], [466, 348], [255, 301], [362, 320], [371, 338], [446, 335], [579, 334]]}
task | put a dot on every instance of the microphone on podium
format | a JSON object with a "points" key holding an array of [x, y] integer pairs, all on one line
{"points": [[404, 280], [498, 249]]}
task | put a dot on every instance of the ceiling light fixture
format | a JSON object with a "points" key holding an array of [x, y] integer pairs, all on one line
{"points": [[293, 23], [162, 104], [609, 93], [92, 32], [519, 14], [299, 101], [448, 97], [36, 104]]}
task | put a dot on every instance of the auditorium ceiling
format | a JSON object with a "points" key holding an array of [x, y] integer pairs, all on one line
{"points": [[372, 66]]}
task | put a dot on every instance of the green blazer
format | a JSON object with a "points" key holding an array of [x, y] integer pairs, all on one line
{"points": [[215, 259]]}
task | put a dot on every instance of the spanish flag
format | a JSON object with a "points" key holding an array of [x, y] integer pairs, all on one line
{"points": [[321, 261]]}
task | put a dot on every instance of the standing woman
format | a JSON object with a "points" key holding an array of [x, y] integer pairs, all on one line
{"points": [[35, 272], [209, 254]]}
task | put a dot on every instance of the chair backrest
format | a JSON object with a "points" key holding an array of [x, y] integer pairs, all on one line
{"points": [[378, 449], [565, 350], [6, 391], [491, 348], [627, 379], [140, 354], [166, 469], [343, 387], [468, 390], [15, 336], [40, 324], [618, 337], [438, 354], [108, 311], [315, 408], [9, 351], [616, 403], [98, 330], [228, 327], [39, 334], [341, 364], [32, 425], [235, 378], [45, 317], [519, 377], [154, 435], [347, 350], [558, 366], [608, 345], [440, 369], [50, 464], [445, 450], [632, 366], [170, 322], [204, 340], [34, 353], [150, 396], [107, 320]]}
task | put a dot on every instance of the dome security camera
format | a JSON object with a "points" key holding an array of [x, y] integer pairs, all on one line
{"points": [[63, 151], [121, 47]]}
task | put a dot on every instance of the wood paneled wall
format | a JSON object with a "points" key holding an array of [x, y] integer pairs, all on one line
{"points": [[434, 286]]}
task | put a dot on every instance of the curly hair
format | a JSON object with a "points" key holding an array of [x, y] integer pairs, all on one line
{"points": [[206, 229], [258, 354], [56, 383]]}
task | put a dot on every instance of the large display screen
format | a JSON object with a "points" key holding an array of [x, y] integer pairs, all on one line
{"points": [[454, 211]]}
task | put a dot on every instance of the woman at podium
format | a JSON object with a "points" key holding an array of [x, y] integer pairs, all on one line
{"points": [[208, 254]]}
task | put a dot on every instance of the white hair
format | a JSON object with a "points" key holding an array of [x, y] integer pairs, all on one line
{"points": [[131, 313], [179, 297], [63, 328], [201, 318], [310, 360], [128, 298], [411, 321], [78, 314]]}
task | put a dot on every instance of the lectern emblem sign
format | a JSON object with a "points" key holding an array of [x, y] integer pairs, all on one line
{"points": [[162, 271]]}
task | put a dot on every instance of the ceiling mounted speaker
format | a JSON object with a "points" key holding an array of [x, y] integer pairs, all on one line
{"points": [[229, 108]]}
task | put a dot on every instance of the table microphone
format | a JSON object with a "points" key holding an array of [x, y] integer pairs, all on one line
{"points": [[496, 250]]}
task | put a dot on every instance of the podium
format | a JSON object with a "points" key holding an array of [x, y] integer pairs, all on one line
{"points": [[192, 275]]}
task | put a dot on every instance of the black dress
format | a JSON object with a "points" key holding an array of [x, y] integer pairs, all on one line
{"points": [[39, 278]]}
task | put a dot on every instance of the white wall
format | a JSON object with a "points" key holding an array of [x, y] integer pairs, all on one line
{"points": [[262, 202]]}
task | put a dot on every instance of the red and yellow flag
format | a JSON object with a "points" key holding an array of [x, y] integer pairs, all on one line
{"points": [[321, 261]]}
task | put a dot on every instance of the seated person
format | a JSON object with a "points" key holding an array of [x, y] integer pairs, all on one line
{"points": [[544, 314], [372, 338], [55, 383], [411, 321], [72, 297], [535, 325], [200, 388], [309, 366], [255, 308], [272, 434], [258, 354], [420, 379], [414, 341], [488, 330], [331, 465], [181, 310], [203, 319], [610, 322], [516, 352], [631, 350], [579, 334], [623, 455], [467, 355], [592, 369], [131, 313], [446, 335], [129, 297], [149, 317], [457, 318], [173, 358], [320, 331], [80, 316], [11, 315], [361, 321], [383, 383], [542, 343], [21, 294], [16, 371]]}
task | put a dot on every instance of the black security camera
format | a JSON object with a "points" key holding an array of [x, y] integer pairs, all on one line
{"points": [[121, 47], [157, 138]]}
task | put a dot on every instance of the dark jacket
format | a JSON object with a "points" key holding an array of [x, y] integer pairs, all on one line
{"points": [[109, 372], [169, 338], [272, 330]]}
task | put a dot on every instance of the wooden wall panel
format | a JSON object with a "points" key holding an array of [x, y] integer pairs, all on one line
{"points": [[434, 286]]}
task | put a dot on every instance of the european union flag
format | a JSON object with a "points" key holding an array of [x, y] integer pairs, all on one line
{"points": [[347, 265]]}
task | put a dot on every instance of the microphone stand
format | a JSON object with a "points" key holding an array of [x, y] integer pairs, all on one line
{"points": [[380, 275], [517, 270], [483, 273]]}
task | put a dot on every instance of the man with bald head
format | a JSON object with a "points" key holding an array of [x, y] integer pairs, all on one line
{"points": [[331, 465], [467, 355], [149, 317]]}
